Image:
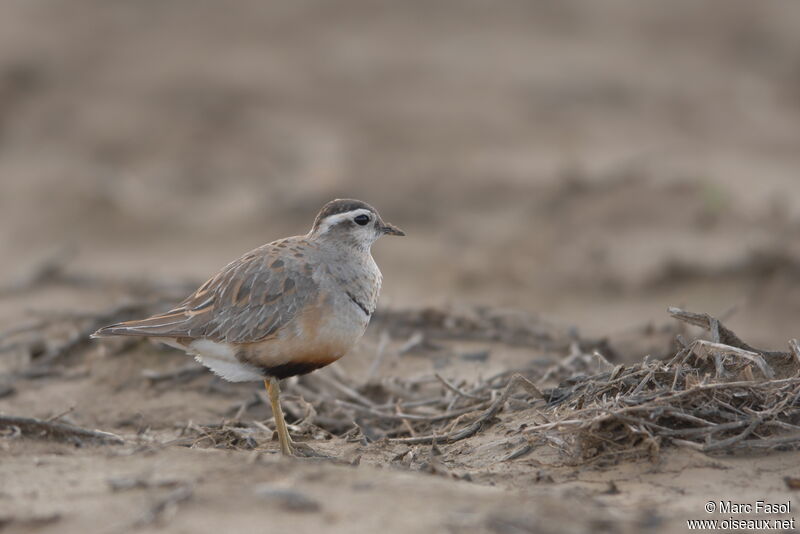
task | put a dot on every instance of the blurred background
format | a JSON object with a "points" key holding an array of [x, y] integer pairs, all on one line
{"points": [[592, 162]]}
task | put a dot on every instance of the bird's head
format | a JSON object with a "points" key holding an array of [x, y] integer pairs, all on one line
{"points": [[351, 222]]}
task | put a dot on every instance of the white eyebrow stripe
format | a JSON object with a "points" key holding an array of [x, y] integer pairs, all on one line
{"points": [[332, 220]]}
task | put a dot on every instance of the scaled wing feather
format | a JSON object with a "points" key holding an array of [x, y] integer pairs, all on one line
{"points": [[249, 300]]}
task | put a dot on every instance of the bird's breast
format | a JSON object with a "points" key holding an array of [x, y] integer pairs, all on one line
{"points": [[321, 334]]}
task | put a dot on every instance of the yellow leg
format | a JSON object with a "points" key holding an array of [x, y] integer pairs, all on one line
{"points": [[274, 393]]}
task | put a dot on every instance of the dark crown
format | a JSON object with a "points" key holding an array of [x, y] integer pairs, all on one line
{"points": [[340, 205]]}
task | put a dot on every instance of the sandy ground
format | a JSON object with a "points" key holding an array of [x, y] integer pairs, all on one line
{"points": [[586, 163]]}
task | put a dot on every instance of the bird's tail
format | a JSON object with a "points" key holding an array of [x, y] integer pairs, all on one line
{"points": [[152, 326]]}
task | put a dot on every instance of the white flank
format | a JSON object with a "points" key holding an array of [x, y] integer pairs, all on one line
{"points": [[213, 349], [221, 359], [232, 372]]}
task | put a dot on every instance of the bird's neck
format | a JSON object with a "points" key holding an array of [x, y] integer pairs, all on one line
{"points": [[344, 246]]}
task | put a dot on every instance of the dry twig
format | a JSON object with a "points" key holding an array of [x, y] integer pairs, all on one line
{"points": [[40, 429], [636, 410]]}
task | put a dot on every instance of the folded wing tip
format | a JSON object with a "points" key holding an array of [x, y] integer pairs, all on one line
{"points": [[106, 331], [119, 329]]}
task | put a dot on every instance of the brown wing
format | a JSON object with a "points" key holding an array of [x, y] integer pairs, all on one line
{"points": [[249, 300]]}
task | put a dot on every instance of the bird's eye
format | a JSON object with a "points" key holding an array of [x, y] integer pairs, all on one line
{"points": [[361, 219]]}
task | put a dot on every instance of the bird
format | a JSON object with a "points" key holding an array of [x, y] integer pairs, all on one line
{"points": [[284, 309]]}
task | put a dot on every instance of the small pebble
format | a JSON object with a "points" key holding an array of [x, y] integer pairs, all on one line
{"points": [[480, 356], [288, 499]]}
